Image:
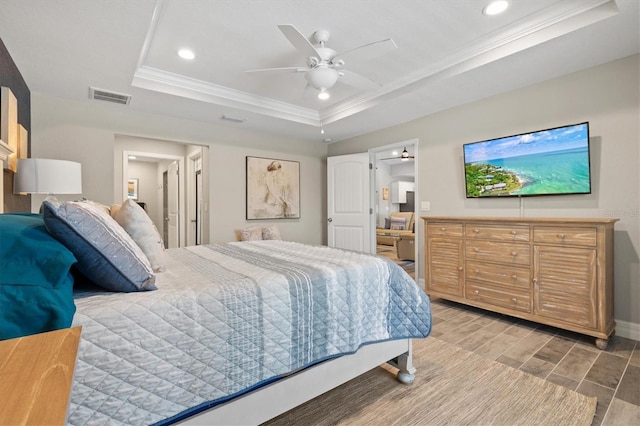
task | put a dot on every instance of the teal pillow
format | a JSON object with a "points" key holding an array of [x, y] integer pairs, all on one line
{"points": [[36, 285]]}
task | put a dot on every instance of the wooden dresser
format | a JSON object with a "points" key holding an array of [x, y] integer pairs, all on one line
{"points": [[554, 271]]}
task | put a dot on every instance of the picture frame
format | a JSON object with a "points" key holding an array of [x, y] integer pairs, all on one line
{"points": [[385, 193], [273, 188], [132, 189]]}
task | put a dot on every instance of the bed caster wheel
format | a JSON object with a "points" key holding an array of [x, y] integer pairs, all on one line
{"points": [[405, 378]]}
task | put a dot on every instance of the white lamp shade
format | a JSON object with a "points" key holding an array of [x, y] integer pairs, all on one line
{"points": [[44, 176]]}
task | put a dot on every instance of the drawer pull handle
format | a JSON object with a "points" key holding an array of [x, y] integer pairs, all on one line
{"points": [[443, 229], [476, 231], [477, 250], [514, 276], [561, 236], [476, 291], [514, 253], [514, 300], [459, 268], [477, 272], [513, 232]]}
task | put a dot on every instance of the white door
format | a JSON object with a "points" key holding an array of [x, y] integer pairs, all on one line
{"points": [[173, 206], [348, 202]]}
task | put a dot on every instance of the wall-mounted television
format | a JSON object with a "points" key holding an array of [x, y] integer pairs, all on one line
{"points": [[545, 162]]}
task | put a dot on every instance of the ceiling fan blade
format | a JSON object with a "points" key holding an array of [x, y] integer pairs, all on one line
{"points": [[299, 41], [281, 70], [367, 51], [356, 80]]}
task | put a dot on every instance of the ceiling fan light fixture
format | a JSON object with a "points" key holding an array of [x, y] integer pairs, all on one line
{"points": [[323, 95], [405, 155], [322, 78]]}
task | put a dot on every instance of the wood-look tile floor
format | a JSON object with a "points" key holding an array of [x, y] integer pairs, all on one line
{"points": [[565, 358], [568, 359]]}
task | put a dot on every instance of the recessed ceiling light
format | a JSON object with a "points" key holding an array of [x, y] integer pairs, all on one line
{"points": [[186, 54], [495, 7]]}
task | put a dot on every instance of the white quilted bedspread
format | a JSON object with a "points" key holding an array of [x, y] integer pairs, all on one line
{"points": [[227, 318]]}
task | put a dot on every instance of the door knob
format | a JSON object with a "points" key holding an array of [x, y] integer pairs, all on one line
{"points": [[329, 220]]}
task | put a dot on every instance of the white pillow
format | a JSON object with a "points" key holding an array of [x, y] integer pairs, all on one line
{"points": [[271, 232], [252, 233], [140, 227]]}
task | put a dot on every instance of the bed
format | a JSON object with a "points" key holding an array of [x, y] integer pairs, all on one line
{"points": [[236, 333]]}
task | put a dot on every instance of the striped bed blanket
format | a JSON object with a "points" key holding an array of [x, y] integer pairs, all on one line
{"points": [[228, 318]]}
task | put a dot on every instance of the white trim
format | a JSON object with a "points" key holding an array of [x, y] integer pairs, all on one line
{"points": [[630, 330]]}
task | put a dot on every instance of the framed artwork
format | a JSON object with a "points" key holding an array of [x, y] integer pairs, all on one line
{"points": [[385, 193], [273, 189], [132, 189]]}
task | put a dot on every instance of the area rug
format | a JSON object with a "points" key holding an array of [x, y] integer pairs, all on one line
{"points": [[452, 387]]}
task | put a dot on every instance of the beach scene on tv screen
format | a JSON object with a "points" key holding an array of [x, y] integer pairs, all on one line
{"points": [[554, 161]]}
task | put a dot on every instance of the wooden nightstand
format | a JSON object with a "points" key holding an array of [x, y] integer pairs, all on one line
{"points": [[36, 373]]}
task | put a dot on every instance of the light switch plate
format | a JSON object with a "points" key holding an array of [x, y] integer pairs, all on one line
{"points": [[425, 206]]}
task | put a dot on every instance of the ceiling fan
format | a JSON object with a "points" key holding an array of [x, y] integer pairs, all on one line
{"points": [[324, 65], [404, 156]]}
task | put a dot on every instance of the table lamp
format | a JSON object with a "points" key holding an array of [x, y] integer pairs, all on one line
{"points": [[45, 176]]}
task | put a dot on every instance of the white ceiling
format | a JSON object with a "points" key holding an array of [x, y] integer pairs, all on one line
{"points": [[448, 54]]}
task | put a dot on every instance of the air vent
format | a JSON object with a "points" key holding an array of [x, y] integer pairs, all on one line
{"points": [[105, 95], [235, 120]]}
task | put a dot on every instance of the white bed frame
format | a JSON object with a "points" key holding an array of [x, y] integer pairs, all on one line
{"points": [[276, 398]]}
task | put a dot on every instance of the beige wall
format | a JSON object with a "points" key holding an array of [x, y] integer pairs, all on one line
{"points": [[607, 96], [86, 132]]}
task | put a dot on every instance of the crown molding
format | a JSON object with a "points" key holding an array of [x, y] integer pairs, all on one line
{"points": [[565, 17]]}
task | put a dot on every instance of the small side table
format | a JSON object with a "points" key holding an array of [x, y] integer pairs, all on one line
{"points": [[36, 374]]}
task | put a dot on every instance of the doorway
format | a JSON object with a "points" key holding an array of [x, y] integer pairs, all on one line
{"points": [[157, 155], [355, 188], [395, 186]]}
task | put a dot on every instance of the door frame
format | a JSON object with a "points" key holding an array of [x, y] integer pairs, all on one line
{"points": [[373, 152]]}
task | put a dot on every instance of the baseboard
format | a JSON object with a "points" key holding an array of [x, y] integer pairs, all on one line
{"points": [[630, 330]]}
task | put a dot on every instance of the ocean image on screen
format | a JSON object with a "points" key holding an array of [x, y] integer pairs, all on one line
{"points": [[554, 161]]}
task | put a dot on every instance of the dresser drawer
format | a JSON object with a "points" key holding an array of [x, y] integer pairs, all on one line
{"points": [[507, 275], [498, 252], [519, 300], [444, 229], [497, 232], [563, 235]]}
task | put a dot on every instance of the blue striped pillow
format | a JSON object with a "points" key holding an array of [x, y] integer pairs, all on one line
{"points": [[106, 253]]}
